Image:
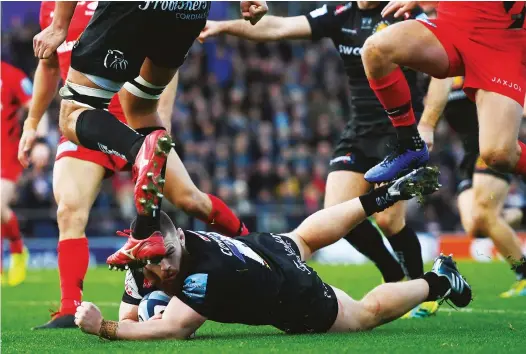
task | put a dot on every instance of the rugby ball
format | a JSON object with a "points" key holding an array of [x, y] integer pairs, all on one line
{"points": [[152, 304]]}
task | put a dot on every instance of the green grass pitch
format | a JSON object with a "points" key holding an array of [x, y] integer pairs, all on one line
{"points": [[489, 325]]}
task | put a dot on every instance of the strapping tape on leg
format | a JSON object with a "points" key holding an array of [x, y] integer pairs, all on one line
{"points": [[86, 96], [143, 89]]}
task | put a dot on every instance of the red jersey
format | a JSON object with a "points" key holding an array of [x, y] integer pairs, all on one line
{"points": [[483, 14], [81, 17], [16, 91]]}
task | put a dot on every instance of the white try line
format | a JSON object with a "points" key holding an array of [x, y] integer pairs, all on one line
{"points": [[442, 309], [487, 311]]}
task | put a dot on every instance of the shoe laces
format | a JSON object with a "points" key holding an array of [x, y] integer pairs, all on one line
{"points": [[124, 233], [394, 155]]}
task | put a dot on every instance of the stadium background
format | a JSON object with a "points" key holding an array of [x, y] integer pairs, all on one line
{"points": [[256, 124]]}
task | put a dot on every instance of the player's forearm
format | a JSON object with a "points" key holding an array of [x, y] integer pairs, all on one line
{"points": [[47, 77], [63, 13], [269, 28], [154, 329], [167, 101], [436, 100]]}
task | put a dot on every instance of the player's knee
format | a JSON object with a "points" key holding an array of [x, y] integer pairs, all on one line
{"points": [[499, 159], [376, 50], [5, 213], [483, 216], [72, 218], [370, 314]]}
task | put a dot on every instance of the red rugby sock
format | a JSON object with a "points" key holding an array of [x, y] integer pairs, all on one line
{"points": [[393, 93], [11, 231], [73, 260], [223, 219], [520, 168]]}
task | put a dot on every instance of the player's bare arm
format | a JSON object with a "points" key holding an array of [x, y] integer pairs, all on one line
{"points": [[46, 42], [179, 321], [47, 78], [128, 312], [269, 28], [436, 101]]}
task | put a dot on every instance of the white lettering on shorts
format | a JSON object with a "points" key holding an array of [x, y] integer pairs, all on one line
{"points": [[292, 253], [507, 83]]}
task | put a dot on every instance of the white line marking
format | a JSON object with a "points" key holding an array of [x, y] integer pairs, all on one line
{"points": [[487, 311]]}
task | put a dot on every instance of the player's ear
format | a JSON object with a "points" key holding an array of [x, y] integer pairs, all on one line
{"points": [[181, 237]]}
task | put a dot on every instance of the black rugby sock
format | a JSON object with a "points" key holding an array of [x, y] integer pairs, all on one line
{"points": [[520, 268], [98, 129], [367, 240], [376, 200], [409, 252], [409, 138], [438, 286], [146, 226]]}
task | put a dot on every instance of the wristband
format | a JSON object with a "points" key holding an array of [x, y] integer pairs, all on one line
{"points": [[108, 329]]}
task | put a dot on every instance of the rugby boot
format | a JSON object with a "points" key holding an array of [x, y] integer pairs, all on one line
{"points": [[148, 172], [517, 289], [460, 291], [18, 268], [137, 253], [59, 320], [396, 164], [424, 310], [148, 175], [420, 182]]}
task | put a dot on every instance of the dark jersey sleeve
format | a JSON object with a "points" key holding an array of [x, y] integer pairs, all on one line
{"points": [[196, 293], [134, 287], [328, 20]]}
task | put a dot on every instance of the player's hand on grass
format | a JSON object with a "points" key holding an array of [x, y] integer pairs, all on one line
{"points": [[89, 318], [46, 42], [399, 8], [427, 132], [26, 142], [212, 29], [253, 11]]}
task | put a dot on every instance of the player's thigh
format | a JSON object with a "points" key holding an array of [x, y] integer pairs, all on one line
{"points": [[138, 100], [413, 44], [489, 193], [392, 219], [499, 122], [180, 190], [351, 313], [76, 184]]}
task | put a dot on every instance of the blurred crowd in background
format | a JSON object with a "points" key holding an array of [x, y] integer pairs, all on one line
{"points": [[256, 124]]}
